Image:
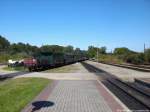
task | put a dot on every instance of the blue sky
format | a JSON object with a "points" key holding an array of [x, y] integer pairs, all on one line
{"points": [[110, 23]]}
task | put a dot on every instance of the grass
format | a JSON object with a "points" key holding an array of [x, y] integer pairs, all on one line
{"points": [[6, 68], [4, 57], [110, 59], [63, 69], [15, 94]]}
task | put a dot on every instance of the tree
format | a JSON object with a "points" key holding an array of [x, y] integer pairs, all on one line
{"points": [[103, 50], [121, 51], [26, 49], [135, 58], [4, 43], [147, 55], [18, 48], [52, 48], [14, 48], [68, 49], [92, 51], [78, 51]]}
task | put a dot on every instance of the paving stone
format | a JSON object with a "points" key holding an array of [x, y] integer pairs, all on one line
{"points": [[76, 96]]}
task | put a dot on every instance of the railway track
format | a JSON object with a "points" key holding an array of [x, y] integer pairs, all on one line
{"points": [[11, 75], [140, 96], [142, 82], [134, 67], [142, 89], [1, 64], [143, 68], [133, 97]]}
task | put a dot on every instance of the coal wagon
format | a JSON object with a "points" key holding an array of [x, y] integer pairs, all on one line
{"points": [[45, 60]]}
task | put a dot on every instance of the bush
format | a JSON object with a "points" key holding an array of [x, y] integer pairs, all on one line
{"points": [[110, 59], [147, 55], [5, 57], [135, 59]]}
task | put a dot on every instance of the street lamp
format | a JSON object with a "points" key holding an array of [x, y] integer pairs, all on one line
{"points": [[97, 53]]}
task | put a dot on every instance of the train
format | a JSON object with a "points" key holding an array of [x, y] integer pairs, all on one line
{"points": [[45, 60]]}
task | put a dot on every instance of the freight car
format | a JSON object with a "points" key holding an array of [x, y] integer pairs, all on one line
{"points": [[45, 60]]}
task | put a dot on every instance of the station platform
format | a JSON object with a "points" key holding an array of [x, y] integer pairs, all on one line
{"points": [[75, 96]]}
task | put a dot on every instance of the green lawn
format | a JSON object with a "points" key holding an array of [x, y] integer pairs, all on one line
{"points": [[64, 69], [15, 94], [14, 68]]}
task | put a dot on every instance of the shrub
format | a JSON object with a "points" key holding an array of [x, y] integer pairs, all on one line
{"points": [[110, 59], [135, 58]]}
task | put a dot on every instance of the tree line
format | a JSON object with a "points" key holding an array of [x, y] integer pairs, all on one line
{"points": [[130, 56], [21, 50], [119, 55]]}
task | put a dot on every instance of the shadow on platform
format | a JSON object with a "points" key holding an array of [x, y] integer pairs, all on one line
{"points": [[41, 104]]}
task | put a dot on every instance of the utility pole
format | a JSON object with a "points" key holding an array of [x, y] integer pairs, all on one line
{"points": [[97, 54], [144, 47]]}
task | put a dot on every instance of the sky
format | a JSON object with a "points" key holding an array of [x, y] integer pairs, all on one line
{"points": [[110, 23]]}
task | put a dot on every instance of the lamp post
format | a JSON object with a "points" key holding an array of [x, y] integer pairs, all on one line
{"points": [[97, 53], [144, 47]]}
